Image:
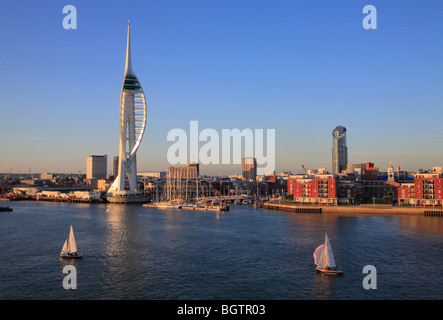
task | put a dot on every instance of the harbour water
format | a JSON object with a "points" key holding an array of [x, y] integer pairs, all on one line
{"points": [[136, 252]]}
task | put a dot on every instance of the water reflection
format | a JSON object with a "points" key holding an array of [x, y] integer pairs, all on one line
{"points": [[122, 258], [423, 225], [322, 286]]}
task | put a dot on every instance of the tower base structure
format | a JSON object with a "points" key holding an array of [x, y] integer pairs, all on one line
{"points": [[124, 197]]}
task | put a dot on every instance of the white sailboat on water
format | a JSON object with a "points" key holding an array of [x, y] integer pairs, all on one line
{"points": [[69, 249], [324, 258]]}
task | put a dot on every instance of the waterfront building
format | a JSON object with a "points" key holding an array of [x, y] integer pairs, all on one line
{"points": [[347, 192], [132, 121], [437, 169], [153, 174], [190, 172], [318, 189], [96, 166], [363, 171], [102, 185], [339, 150], [249, 169], [335, 189], [48, 176], [427, 190], [370, 172], [36, 182], [406, 194], [402, 175], [369, 191]]}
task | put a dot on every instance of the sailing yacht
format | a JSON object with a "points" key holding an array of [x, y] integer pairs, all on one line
{"points": [[69, 249], [324, 259]]}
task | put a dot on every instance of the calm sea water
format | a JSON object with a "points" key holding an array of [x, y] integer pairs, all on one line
{"points": [[134, 252]]}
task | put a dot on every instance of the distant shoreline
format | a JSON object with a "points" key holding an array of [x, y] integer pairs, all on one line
{"points": [[356, 209]]}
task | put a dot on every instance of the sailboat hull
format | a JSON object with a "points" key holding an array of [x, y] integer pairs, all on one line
{"points": [[331, 272], [68, 256]]}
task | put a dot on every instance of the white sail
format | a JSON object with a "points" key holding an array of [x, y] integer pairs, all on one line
{"points": [[65, 247], [323, 256], [329, 256], [318, 254], [72, 247]]}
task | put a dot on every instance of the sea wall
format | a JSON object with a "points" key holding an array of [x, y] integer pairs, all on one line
{"points": [[355, 209]]}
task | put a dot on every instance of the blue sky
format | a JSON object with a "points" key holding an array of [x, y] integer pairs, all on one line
{"points": [[299, 67]]}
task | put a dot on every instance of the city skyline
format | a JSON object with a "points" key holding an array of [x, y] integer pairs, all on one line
{"points": [[299, 68]]}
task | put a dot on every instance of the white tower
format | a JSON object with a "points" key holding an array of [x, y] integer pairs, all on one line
{"points": [[391, 176], [132, 119]]}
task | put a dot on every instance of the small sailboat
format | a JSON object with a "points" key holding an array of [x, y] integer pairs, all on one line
{"points": [[324, 259], [69, 249]]}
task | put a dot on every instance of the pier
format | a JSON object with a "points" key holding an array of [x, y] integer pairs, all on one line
{"points": [[291, 208], [72, 197], [68, 199], [434, 213]]}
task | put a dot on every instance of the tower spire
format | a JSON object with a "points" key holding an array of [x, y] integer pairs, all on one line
{"points": [[128, 65]]}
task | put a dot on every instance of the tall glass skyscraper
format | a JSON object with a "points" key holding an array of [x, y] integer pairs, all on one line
{"points": [[339, 150]]}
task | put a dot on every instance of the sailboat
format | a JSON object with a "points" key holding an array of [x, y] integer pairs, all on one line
{"points": [[69, 249], [324, 259]]}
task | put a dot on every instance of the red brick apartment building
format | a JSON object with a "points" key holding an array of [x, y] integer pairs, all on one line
{"points": [[321, 189], [427, 190]]}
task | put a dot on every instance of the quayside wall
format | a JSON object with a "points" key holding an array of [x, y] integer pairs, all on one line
{"points": [[383, 210]]}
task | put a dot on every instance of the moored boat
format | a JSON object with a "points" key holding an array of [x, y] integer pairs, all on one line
{"points": [[164, 205]]}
